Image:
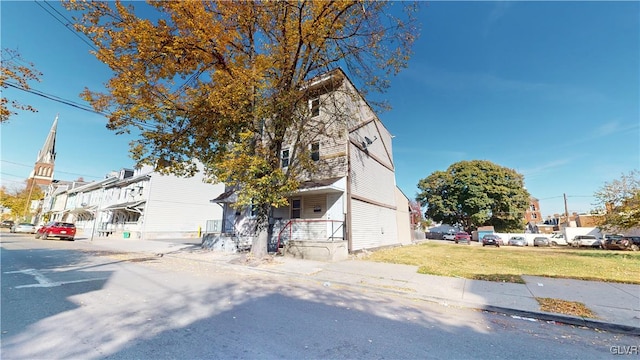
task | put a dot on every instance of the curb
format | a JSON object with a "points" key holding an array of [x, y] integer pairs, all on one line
{"points": [[537, 315]]}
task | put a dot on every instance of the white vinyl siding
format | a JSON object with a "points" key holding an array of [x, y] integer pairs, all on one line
{"points": [[312, 203], [178, 205], [372, 226], [370, 179]]}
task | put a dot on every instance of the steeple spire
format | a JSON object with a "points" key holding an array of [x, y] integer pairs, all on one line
{"points": [[42, 174], [47, 155]]}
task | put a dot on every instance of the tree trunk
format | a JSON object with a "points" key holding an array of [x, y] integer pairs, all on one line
{"points": [[260, 243]]}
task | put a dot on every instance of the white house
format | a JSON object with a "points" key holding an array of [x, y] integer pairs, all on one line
{"points": [[137, 204], [350, 203]]}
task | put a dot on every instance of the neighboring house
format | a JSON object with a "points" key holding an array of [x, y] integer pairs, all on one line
{"points": [[55, 200], [350, 203], [139, 204], [533, 214], [151, 205]]}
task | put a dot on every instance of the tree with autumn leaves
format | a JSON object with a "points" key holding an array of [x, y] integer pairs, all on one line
{"points": [[620, 199], [17, 73], [226, 82]]}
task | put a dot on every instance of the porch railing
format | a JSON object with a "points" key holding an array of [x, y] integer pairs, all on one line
{"points": [[311, 229]]}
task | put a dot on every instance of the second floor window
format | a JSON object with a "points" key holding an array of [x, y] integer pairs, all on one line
{"points": [[285, 158], [314, 105], [315, 151]]}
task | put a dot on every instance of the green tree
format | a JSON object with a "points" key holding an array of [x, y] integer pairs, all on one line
{"points": [[226, 82], [621, 200], [15, 72], [475, 193]]}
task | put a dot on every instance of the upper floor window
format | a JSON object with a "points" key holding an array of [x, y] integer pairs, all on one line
{"points": [[285, 158], [532, 207], [315, 151], [314, 106]]}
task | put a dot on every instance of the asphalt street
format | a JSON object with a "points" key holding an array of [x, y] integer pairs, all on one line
{"points": [[69, 300]]}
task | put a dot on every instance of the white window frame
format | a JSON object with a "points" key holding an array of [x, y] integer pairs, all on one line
{"points": [[284, 161], [312, 152], [314, 107], [293, 209]]}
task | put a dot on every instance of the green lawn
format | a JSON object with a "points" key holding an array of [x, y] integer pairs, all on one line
{"points": [[508, 263]]}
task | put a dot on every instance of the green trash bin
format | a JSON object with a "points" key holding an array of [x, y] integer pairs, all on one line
{"points": [[126, 234]]}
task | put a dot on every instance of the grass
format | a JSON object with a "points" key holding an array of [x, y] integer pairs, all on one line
{"points": [[507, 264]]}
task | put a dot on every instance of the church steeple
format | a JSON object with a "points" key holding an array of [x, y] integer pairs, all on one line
{"points": [[42, 173]]}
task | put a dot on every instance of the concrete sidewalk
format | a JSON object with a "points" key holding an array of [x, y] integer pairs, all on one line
{"points": [[617, 306]]}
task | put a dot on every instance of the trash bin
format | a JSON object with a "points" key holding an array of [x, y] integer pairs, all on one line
{"points": [[126, 234]]}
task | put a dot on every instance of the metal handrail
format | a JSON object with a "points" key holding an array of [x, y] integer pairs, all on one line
{"points": [[289, 226]]}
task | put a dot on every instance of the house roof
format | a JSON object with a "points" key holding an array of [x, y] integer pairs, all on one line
{"points": [[126, 206], [227, 197]]}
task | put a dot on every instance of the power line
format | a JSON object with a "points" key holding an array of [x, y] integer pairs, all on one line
{"points": [[181, 88], [55, 171], [67, 24], [71, 103]]}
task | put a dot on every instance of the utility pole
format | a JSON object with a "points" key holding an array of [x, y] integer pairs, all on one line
{"points": [[566, 209]]}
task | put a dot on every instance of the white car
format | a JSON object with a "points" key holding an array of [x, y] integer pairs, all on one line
{"points": [[23, 228], [585, 240], [449, 237]]}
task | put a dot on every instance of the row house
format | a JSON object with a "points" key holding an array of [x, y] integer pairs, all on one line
{"points": [[138, 203], [351, 203]]}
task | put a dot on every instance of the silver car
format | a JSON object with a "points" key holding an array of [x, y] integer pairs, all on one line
{"points": [[517, 241], [541, 241], [23, 228]]}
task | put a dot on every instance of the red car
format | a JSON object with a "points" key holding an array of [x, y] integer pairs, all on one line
{"points": [[57, 229], [462, 237]]}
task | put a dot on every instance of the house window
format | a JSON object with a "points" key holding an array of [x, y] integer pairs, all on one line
{"points": [[534, 216], [285, 158], [314, 105], [315, 151], [533, 207], [296, 206]]}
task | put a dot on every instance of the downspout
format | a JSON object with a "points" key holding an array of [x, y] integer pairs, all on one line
{"points": [[348, 215], [145, 214]]}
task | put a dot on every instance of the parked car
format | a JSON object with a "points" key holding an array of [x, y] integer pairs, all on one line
{"points": [[57, 229], [622, 243], [541, 241], [491, 239], [558, 239], [6, 224], [23, 228], [585, 240], [449, 236], [517, 241], [462, 237]]}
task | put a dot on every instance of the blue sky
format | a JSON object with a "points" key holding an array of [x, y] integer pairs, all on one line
{"points": [[550, 89]]}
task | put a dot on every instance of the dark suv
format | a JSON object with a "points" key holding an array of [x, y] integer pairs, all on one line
{"points": [[622, 243], [57, 229], [491, 239], [6, 224]]}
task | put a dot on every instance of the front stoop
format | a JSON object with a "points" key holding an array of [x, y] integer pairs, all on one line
{"points": [[317, 250]]}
